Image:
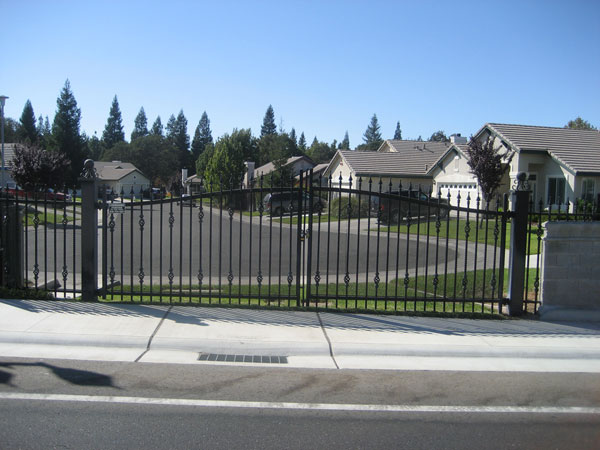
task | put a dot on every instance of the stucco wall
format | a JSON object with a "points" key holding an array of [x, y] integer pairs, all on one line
{"points": [[570, 280]]}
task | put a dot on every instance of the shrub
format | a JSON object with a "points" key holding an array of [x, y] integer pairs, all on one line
{"points": [[339, 208]]}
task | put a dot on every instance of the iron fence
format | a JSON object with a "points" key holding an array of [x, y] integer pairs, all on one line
{"points": [[306, 242]]}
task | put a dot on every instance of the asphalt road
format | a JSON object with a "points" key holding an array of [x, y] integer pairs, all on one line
{"points": [[70, 404], [154, 243]]}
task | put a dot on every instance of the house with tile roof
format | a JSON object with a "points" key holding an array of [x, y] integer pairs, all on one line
{"points": [[396, 161], [561, 163], [121, 177], [297, 163], [9, 155]]}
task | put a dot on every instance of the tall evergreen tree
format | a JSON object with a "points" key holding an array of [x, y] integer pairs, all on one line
{"points": [[157, 127], [398, 132], [202, 136], [44, 132], [140, 127], [302, 143], [65, 132], [177, 134], [293, 136], [345, 144], [372, 136], [27, 130], [113, 131], [268, 126]]}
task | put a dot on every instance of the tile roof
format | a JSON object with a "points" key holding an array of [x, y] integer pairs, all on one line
{"points": [[408, 158], [579, 150], [270, 167], [113, 170]]}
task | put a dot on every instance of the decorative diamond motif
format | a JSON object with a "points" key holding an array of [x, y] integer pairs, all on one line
{"points": [[467, 229], [36, 220], [200, 214], [65, 273], [406, 280], [141, 275], [290, 278], [64, 220], [376, 280], [36, 272], [142, 222], [259, 278], [171, 219], [111, 274], [230, 211], [317, 278], [200, 276], [111, 223], [230, 277], [171, 276], [436, 281], [347, 279]]}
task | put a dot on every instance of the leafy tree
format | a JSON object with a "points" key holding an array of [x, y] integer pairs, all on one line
{"points": [[488, 164], [65, 132], [398, 132], [113, 131], [321, 152], [226, 166], [302, 143], [121, 151], [94, 147], [268, 126], [439, 136], [157, 127], [34, 167], [155, 157], [204, 158], [580, 124], [345, 144], [202, 136], [11, 130], [372, 137], [27, 131], [140, 127]]}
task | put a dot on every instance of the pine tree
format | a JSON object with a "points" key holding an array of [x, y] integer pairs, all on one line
{"points": [[372, 136], [27, 130], [398, 132], [140, 127], [302, 143], [293, 137], [268, 126], [157, 127], [113, 131], [177, 134], [65, 132], [202, 136], [345, 144]]}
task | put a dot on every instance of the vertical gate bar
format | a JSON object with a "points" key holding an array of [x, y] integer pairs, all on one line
{"points": [[291, 227], [494, 280], [161, 218], [210, 242], [104, 244], [539, 233], [181, 242], [376, 278], [151, 284], [270, 233], [45, 239], [190, 247], [477, 205], [347, 272], [122, 257], [141, 271], [299, 239], [220, 240], [112, 256], [485, 251], [319, 213], [200, 275], [397, 274], [406, 273], [36, 220], [369, 236], [330, 191], [74, 252], [445, 293], [280, 242], [529, 229], [358, 240], [171, 274], [427, 230], [467, 233], [438, 225], [230, 212], [418, 243], [259, 276], [387, 253], [54, 213], [131, 214], [310, 186], [337, 253], [458, 199], [505, 216], [26, 218], [242, 197]]}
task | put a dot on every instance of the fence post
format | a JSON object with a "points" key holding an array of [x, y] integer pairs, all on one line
{"points": [[89, 232], [518, 245]]}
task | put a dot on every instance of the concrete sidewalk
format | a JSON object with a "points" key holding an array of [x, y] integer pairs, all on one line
{"points": [[196, 335]]}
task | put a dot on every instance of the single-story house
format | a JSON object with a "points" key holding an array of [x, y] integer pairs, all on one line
{"points": [[121, 177], [297, 163], [561, 163], [410, 163]]}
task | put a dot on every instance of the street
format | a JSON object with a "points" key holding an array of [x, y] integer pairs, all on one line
{"points": [[85, 404]]}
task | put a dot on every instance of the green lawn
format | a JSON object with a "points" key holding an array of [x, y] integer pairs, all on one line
{"points": [[419, 296], [45, 219], [450, 228]]}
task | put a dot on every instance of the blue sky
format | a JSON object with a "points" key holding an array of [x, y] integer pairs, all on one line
{"points": [[326, 67]]}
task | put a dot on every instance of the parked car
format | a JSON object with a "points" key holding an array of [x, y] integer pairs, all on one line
{"points": [[392, 210], [278, 203], [14, 191], [110, 195], [154, 193]]}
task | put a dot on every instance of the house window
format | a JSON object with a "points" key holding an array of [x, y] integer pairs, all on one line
{"points": [[588, 189], [556, 190]]}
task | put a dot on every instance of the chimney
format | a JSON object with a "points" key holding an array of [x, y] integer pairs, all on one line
{"points": [[249, 173], [458, 139], [184, 176]]}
